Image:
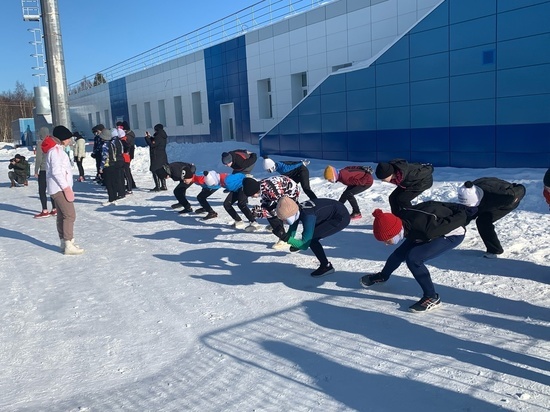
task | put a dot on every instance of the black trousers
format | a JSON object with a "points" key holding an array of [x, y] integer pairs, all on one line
{"points": [[203, 196], [302, 177], [180, 191], [42, 191], [401, 198], [241, 199], [349, 195], [326, 229]]}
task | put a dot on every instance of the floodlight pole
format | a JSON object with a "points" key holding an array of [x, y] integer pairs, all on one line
{"points": [[55, 64]]}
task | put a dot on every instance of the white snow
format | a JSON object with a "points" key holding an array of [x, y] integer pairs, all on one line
{"points": [[166, 313]]}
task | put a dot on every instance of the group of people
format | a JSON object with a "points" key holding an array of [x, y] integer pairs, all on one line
{"points": [[423, 231]]}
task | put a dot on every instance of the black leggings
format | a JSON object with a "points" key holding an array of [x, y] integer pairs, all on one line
{"points": [[42, 191], [349, 195]]}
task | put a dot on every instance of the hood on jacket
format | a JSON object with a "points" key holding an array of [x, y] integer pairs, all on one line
{"points": [[48, 144]]}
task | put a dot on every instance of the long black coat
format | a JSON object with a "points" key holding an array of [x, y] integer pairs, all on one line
{"points": [[157, 149]]}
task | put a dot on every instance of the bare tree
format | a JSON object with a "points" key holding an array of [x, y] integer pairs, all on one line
{"points": [[14, 105]]}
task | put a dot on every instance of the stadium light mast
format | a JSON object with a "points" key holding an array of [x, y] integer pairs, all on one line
{"points": [[55, 64]]}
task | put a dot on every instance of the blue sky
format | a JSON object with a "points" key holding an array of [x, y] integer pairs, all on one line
{"points": [[100, 33]]}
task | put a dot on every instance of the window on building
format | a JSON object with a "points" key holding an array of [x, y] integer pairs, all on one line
{"points": [[97, 118], [340, 66], [197, 107], [298, 87], [148, 121], [162, 112], [107, 119], [90, 121], [265, 102], [134, 120], [178, 110]]}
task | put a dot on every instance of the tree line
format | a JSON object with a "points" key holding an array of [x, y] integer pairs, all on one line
{"points": [[14, 105]]}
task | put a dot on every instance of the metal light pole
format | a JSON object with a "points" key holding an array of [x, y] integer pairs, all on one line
{"points": [[55, 64]]}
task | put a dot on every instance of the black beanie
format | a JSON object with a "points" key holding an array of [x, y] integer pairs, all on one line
{"points": [[62, 133], [226, 158], [384, 170], [250, 186], [158, 127], [186, 173]]}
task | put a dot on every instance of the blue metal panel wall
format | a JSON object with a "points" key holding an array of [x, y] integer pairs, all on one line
{"points": [[227, 82], [119, 100], [467, 87]]}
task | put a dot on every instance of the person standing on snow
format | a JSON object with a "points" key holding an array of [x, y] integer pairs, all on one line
{"points": [[59, 178], [79, 154], [494, 198], [411, 180], [320, 218], [429, 229], [296, 170], [356, 178], [129, 143], [40, 174], [157, 153]]}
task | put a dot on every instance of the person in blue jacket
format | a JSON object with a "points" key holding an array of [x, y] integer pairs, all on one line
{"points": [[296, 170], [320, 218]]}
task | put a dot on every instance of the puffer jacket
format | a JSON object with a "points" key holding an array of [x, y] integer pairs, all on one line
{"points": [[59, 172]]}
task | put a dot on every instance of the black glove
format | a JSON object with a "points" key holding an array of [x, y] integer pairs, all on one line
{"points": [[93, 155], [281, 234]]}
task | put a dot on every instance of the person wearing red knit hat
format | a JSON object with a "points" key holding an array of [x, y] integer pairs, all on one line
{"points": [[429, 229]]}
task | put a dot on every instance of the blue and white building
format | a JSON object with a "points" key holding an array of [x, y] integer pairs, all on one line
{"points": [[463, 83]]}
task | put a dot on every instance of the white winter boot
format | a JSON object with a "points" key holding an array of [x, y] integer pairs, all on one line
{"points": [[72, 249]]}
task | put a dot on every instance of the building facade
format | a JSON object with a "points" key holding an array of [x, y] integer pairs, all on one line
{"points": [[457, 83]]}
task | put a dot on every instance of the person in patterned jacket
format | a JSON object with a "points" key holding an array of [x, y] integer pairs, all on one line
{"points": [[296, 170], [270, 190], [356, 178]]}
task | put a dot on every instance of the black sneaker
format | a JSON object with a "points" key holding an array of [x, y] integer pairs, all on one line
{"points": [[210, 215], [186, 210], [323, 271], [293, 249], [176, 206], [155, 189], [201, 210], [369, 280], [426, 304]]}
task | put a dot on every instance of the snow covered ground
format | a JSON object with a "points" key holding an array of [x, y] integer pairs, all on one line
{"points": [[167, 313]]}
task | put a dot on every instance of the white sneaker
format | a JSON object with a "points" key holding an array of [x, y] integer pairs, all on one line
{"points": [[238, 224], [280, 245], [72, 249], [108, 203], [490, 255], [252, 227]]}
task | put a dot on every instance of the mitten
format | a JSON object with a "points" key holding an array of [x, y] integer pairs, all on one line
{"points": [[69, 194]]}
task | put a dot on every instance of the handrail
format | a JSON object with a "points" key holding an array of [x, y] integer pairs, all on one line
{"points": [[260, 14]]}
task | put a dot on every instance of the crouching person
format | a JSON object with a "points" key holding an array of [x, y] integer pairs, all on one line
{"points": [[429, 229], [320, 218], [59, 180]]}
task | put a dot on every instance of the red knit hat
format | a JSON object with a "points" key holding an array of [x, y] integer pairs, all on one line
{"points": [[386, 225]]}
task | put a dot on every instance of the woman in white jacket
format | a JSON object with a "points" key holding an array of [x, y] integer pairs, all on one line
{"points": [[59, 179]]}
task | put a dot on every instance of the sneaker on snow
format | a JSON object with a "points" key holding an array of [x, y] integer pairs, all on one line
{"points": [[293, 249], [426, 304], [369, 280], [176, 206], [281, 244], [355, 216], [186, 210], [42, 214], [53, 212], [108, 203], [323, 271], [210, 215], [238, 224], [252, 227], [490, 255], [200, 210]]}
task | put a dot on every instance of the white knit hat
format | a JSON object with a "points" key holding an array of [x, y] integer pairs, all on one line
{"points": [[269, 165], [212, 178], [469, 194], [121, 132]]}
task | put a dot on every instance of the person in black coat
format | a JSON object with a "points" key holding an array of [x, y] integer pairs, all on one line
{"points": [[546, 189], [240, 160], [429, 229], [494, 198], [179, 172], [157, 152], [411, 180]]}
